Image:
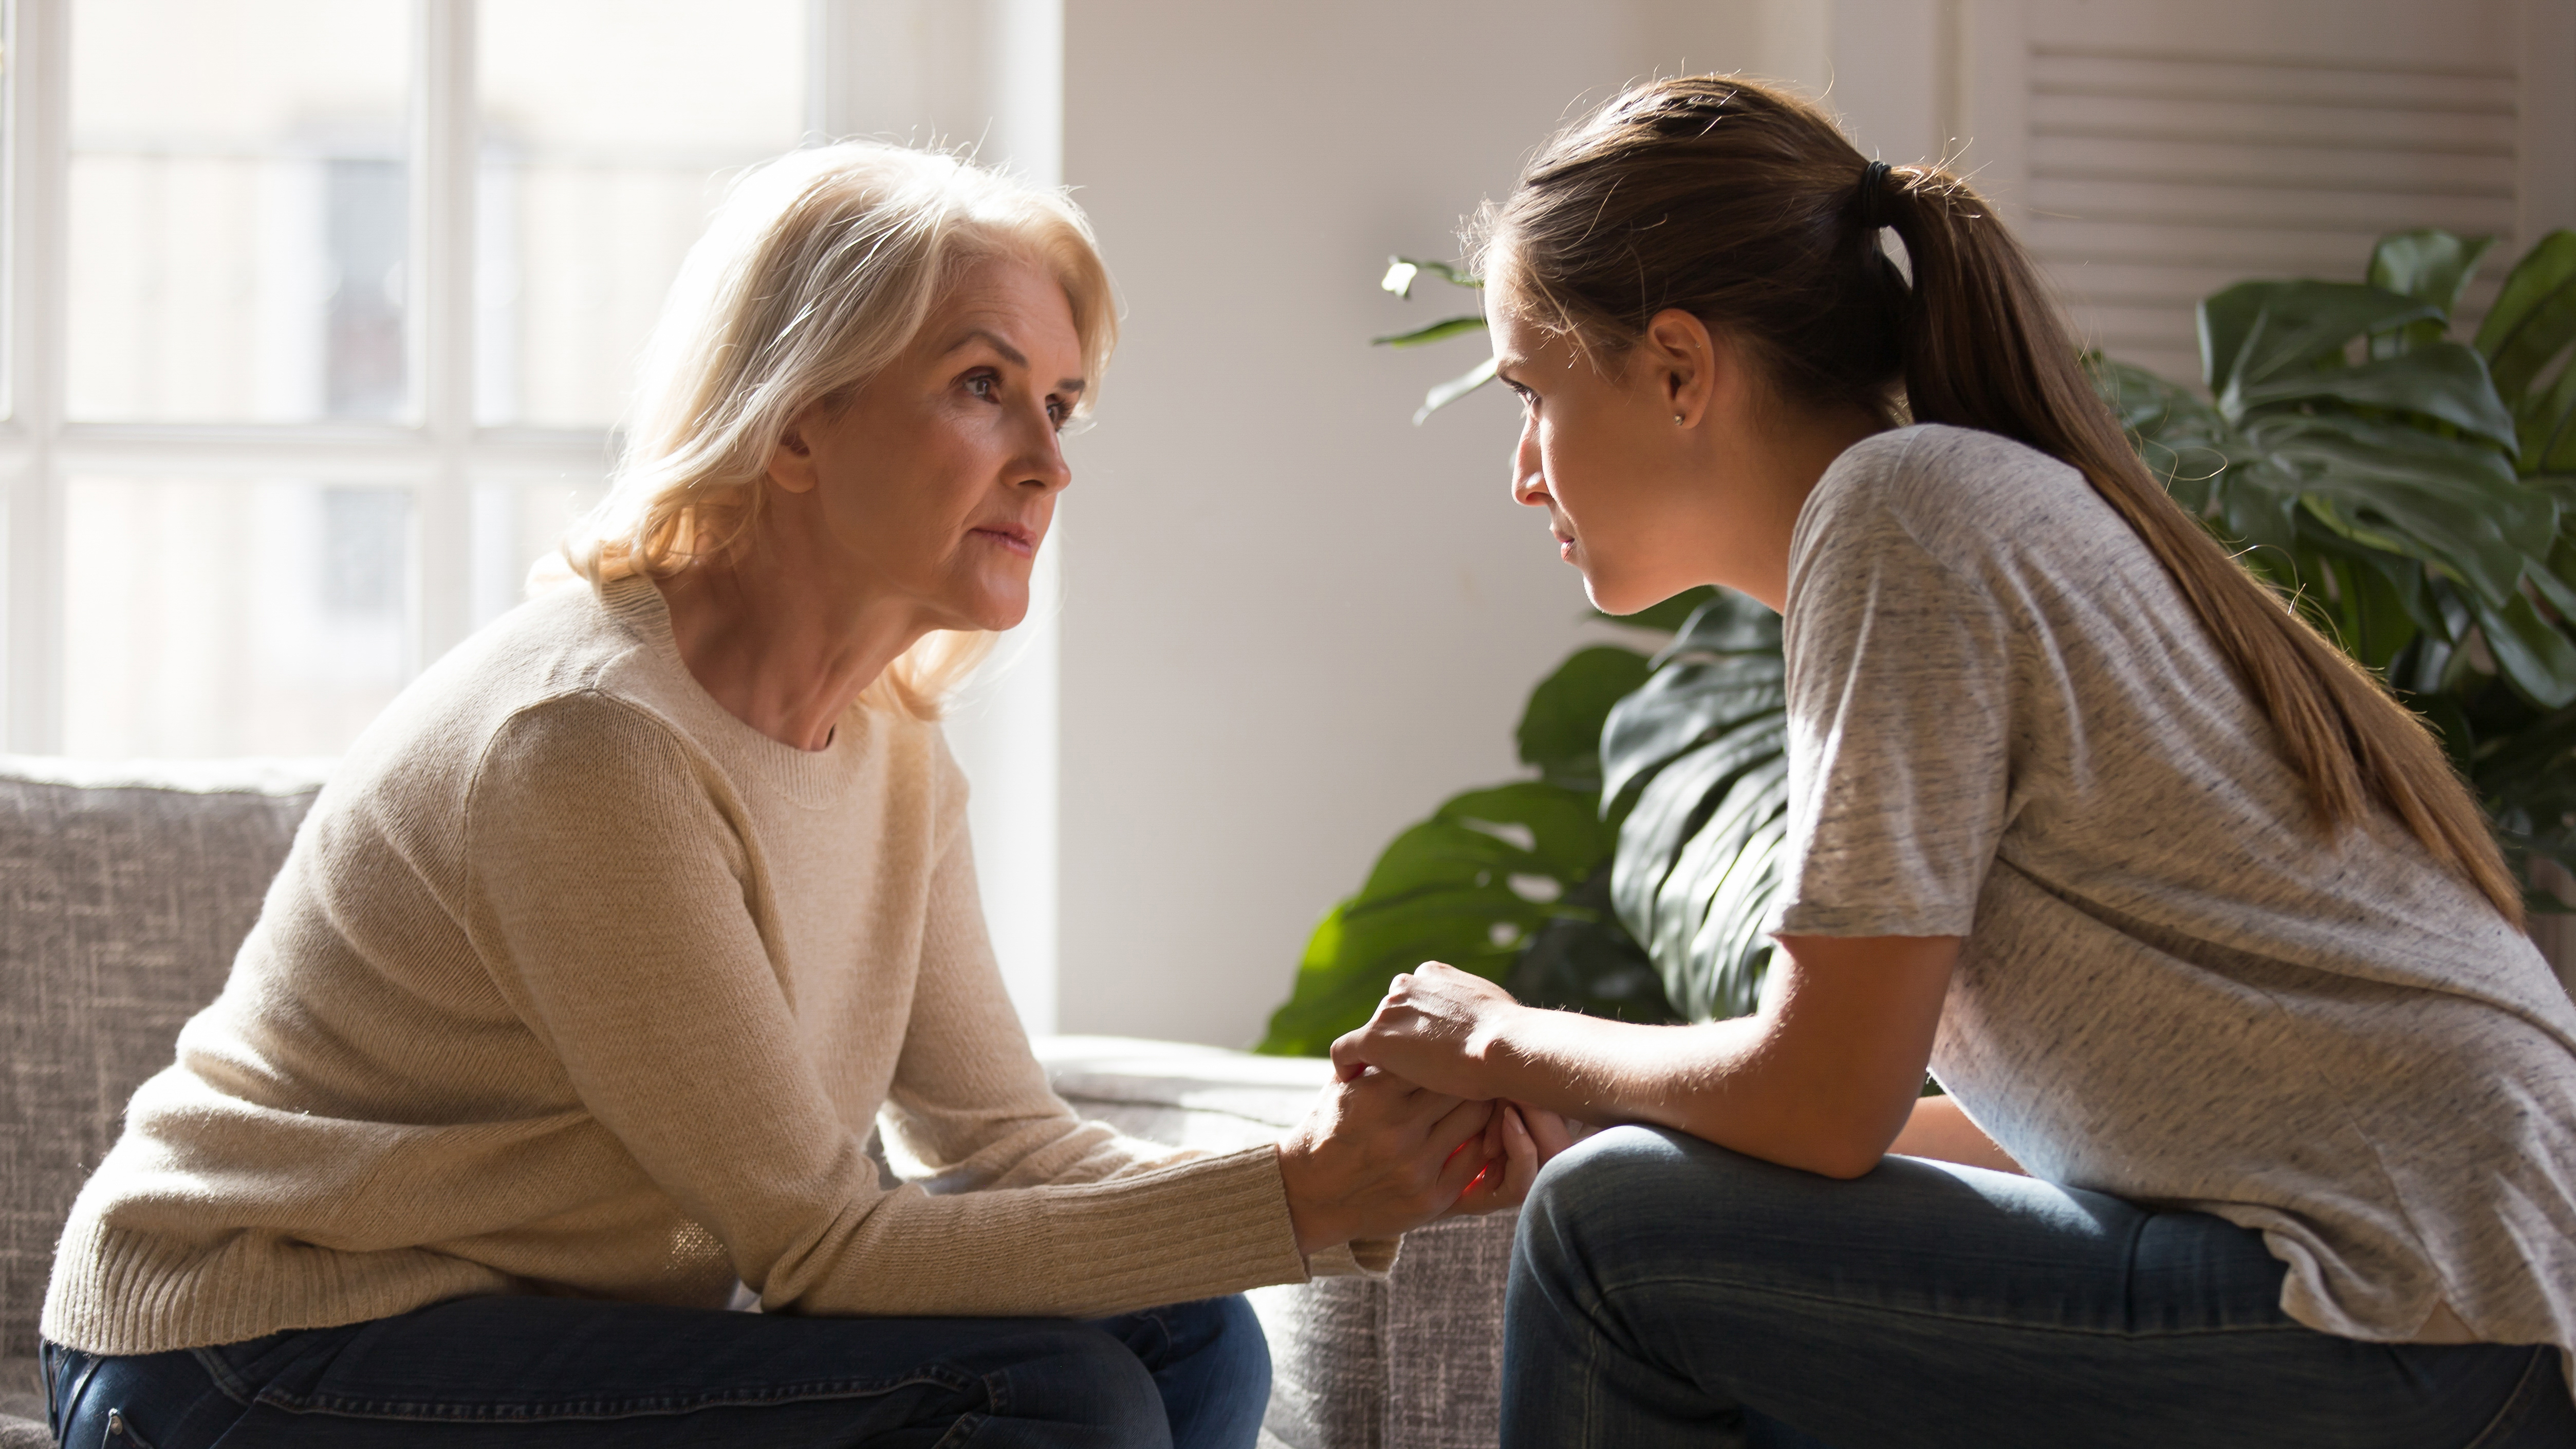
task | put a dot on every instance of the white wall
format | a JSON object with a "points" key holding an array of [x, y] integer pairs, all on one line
{"points": [[1293, 621]]}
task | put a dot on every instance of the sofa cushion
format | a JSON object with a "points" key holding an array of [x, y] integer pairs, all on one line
{"points": [[22, 1404], [125, 892]]}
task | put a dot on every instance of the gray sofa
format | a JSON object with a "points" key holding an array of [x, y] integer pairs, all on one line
{"points": [[124, 892]]}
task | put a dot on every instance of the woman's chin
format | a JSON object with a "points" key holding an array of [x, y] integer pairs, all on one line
{"points": [[992, 614], [1610, 599]]}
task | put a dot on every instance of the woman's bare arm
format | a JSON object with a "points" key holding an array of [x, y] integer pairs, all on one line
{"points": [[1823, 1078], [1939, 1130]]}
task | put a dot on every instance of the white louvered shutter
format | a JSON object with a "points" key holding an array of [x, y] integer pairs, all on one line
{"points": [[2159, 152]]}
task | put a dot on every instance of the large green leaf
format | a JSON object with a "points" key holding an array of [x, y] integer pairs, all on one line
{"points": [[2531, 653], [2183, 440], [2452, 504], [2402, 490], [2547, 419], [2267, 345], [1716, 816], [2255, 333], [2533, 320], [2527, 338], [1721, 671], [2380, 602], [1703, 747], [1582, 960], [1471, 886], [2444, 381], [1560, 731], [2429, 265]]}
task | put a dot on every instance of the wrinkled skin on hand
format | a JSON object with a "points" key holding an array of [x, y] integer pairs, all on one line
{"points": [[1377, 1156], [1418, 1037]]}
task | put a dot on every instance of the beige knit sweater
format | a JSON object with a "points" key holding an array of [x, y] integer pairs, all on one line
{"points": [[574, 983]]}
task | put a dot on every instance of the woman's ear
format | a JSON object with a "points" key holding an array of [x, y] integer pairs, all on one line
{"points": [[791, 462], [1682, 360]]}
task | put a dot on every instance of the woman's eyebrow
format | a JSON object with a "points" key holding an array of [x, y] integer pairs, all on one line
{"points": [[1011, 355]]}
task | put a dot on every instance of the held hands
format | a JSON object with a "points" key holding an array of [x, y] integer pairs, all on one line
{"points": [[1435, 1027], [1376, 1156], [1518, 1141], [1405, 1136]]}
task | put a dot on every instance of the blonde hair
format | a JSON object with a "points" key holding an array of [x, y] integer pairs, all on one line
{"points": [[816, 272]]}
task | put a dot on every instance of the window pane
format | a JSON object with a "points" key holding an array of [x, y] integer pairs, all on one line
{"points": [[240, 210], [515, 527], [229, 617], [8, 79], [610, 127]]}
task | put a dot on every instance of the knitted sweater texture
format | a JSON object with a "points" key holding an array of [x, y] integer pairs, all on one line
{"points": [[573, 983]]}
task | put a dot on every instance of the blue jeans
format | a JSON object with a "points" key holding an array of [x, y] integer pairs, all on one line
{"points": [[561, 1373], [1665, 1291]]}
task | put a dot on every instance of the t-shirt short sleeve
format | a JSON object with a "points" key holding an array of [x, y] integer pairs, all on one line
{"points": [[1900, 715]]}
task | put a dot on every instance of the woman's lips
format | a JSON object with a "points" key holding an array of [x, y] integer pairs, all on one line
{"points": [[1565, 547], [1018, 541]]}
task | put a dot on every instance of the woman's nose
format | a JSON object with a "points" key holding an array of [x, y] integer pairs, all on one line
{"points": [[1045, 467], [1527, 475], [1052, 474]]}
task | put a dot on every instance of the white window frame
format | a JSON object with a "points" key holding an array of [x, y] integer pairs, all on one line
{"points": [[439, 459]]}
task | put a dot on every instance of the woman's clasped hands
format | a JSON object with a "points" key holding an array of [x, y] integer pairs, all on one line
{"points": [[1404, 1136]]}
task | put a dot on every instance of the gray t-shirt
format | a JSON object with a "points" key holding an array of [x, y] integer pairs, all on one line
{"points": [[2006, 724]]}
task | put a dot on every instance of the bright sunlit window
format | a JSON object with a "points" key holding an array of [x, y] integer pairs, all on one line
{"points": [[320, 312]]}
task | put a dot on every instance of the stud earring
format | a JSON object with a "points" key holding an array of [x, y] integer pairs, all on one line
{"points": [[1677, 420]]}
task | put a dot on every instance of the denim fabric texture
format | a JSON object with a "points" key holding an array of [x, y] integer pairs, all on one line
{"points": [[566, 1373], [1668, 1292]]}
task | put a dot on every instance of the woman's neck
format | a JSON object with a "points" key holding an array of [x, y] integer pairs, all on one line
{"points": [[1782, 462], [787, 651]]}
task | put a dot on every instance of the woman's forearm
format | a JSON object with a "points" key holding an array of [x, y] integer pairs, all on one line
{"points": [[1940, 1130], [1602, 1072], [1733, 1083], [1822, 1078]]}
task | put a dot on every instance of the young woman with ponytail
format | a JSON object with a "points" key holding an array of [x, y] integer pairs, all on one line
{"points": [[2261, 1112]]}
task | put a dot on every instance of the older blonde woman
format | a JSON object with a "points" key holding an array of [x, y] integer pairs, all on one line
{"points": [[608, 946]]}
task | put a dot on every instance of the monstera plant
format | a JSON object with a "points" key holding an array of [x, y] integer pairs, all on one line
{"points": [[2413, 492]]}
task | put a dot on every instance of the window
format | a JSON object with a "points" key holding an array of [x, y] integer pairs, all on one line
{"points": [[320, 313]]}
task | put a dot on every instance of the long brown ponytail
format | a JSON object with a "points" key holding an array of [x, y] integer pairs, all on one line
{"points": [[1743, 205]]}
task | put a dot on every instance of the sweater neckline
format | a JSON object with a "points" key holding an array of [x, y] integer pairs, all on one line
{"points": [[812, 778]]}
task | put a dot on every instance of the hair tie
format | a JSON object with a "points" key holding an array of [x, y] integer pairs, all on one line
{"points": [[1873, 187]]}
